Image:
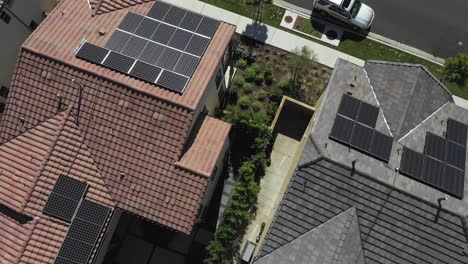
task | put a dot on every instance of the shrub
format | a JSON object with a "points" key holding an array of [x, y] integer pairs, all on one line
{"points": [[250, 74], [259, 79], [256, 67], [256, 106], [238, 81], [456, 69], [275, 94], [248, 87], [244, 102], [283, 85], [241, 64], [271, 110], [261, 95], [269, 71]]}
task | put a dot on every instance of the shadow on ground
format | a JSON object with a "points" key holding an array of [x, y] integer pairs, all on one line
{"points": [[257, 31]]}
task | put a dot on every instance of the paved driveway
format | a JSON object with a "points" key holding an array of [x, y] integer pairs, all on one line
{"points": [[437, 27]]}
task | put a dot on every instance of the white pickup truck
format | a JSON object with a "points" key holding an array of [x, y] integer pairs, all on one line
{"points": [[354, 12]]}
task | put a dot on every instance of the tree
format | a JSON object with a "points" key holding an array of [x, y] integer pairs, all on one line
{"points": [[299, 62], [456, 69]]}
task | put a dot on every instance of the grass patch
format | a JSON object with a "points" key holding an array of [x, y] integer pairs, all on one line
{"points": [[309, 27]]}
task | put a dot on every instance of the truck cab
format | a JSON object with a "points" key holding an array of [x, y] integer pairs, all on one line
{"points": [[353, 12]]}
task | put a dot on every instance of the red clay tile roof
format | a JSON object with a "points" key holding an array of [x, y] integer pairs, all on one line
{"points": [[134, 131], [106, 6], [201, 157], [14, 238]]}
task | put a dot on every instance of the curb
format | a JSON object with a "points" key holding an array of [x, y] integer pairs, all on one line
{"points": [[375, 37]]}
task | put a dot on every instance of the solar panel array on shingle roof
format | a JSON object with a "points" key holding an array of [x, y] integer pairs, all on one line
{"points": [[170, 39]]}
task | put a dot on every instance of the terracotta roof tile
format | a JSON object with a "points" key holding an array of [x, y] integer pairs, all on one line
{"points": [[202, 155], [13, 238], [106, 6]]}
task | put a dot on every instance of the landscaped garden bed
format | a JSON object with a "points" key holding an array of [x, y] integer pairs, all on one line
{"points": [[309, 27]]}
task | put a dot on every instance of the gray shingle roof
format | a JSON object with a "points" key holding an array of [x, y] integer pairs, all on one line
{"points": [[407, 93], [337, 241], [395, 227]]}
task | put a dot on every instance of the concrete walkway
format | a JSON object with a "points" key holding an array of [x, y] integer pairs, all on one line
{"points": [[267, 34]]}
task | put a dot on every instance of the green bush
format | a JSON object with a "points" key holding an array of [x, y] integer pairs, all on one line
{"points": [[269, 79], [269, 71], [248, 88], [256, 67], [250, 74], [283, 85], [244, 102], [271, 110], [261, 95], [259, 79], [238, 81], [456, 69], [241, 64], [256, 106], [275, 94]]}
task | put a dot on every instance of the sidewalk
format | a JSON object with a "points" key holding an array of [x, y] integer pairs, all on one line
{"points": [[270, 35]]}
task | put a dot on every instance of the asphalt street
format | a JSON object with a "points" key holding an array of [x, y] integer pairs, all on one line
{"points": [[437, 27]]}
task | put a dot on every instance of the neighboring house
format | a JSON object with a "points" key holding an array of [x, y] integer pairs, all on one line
{"points": [[382, 178], [104, 126], [18, 18]]}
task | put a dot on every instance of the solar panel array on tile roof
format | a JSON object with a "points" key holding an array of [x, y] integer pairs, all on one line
{"points": [[164, 47], [83, 233], [355, 126], [442, 165], [65, 197]]}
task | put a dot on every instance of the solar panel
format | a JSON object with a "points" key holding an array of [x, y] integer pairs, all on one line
{"points": [[197, 45], [191, 21], [175, 15], [342, 129], [118, 40], [169, 58], [151, 53], [435, 146], [411, 162], [147, 28], [172, 81], [180, 39], [362, 137], [456, 131], [119, 62], [130, 22], [69, 187], [432, 171], [159, 10], [163, 34], [349, 106], [381, 146], [75, 250], [207, 27], [92, 53], [368, 114], [93, 212], [84, 231], [145, 72], [454, 181], [187, 64], [455, 155], [135, 47]]}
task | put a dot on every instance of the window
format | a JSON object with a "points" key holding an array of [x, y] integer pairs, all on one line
{"points": [[33, 25], [3, 92], [5, 17], [339, 11]]}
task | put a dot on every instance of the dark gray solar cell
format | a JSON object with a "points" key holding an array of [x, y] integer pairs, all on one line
{"points": [[191, 21], [456, 131], [368, 114], [169, 58], [75, 250], [84, 231], [93, 212], [342, 129], [432, 171], [381, 146], [92, 53], [145, 72], [207, 27], [435, 146], [349, 106], [60, 260], [60, 207], [119, 62], [71, 188], [411, 162], [172, 81], [197, 45], [159, 10], [455, 155], [151, 53], [362, 137], [454, 181], [147, 28], [180, 39], [135, 47], [163, 34], [130, 22], [175, 15], [187, 64], [118, 40]]}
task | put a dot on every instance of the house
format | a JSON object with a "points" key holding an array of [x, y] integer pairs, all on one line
{"points": [[18, 18], [382, 178], [108, 122]]}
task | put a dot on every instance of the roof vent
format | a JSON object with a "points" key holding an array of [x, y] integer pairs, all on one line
{"points": [[158, 116], [124, 103], [22, 119], [46, 75], [102, 32], [122, 176]]}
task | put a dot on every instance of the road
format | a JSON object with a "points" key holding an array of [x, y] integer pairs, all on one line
{"points": [[437, 27]]}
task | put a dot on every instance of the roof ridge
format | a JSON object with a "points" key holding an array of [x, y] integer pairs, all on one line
{"points": [[411, 94], [62, 123]]}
